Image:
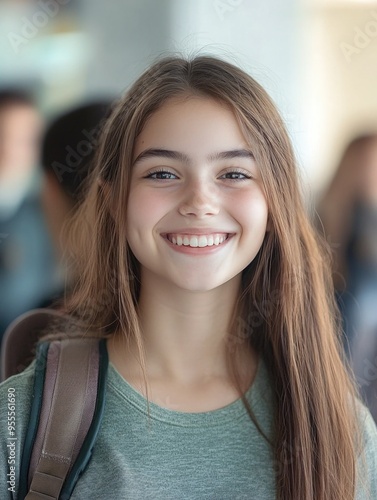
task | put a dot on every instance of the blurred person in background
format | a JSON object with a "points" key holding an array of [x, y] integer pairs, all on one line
{"points": [[348, 211], [68, 149], [27, 260]]}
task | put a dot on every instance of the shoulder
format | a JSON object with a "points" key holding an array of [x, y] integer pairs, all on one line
{"points": [[368, 430], [22, 382], [15, 395], [367, 460]]}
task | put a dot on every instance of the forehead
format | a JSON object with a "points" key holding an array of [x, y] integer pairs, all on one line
{"points": [[193, 124]]}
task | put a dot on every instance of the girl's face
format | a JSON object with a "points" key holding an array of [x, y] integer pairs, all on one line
{"points": [[194, 183]]}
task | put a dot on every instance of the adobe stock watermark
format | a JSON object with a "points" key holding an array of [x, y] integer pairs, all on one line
{"points": [[31, 26], [362, 38], [222, 7]]}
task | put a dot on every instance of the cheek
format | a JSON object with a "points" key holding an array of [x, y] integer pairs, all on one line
{"points": [[250, 209], [145, 209]]}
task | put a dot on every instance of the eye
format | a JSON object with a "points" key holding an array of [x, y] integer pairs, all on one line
{"points": [[161, 173], [237, 175]]}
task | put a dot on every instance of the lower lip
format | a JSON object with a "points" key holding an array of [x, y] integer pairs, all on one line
{"points": [[197, 250]]}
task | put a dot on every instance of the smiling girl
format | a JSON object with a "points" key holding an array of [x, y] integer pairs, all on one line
{"points": [[200, 267]]}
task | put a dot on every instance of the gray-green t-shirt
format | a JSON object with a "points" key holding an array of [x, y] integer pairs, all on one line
{"points": [[217, 455]]}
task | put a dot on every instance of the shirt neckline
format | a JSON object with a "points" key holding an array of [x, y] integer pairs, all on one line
{"points": [[230, 412]]}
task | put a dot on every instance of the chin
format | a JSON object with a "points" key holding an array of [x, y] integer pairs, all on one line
{"points": [[199, 285]]}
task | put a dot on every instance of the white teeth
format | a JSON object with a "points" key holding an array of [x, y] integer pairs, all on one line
{"points": [[204, 241], [198, 241], [194, 241]]}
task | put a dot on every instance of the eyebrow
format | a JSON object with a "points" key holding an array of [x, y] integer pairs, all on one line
{"points": [[177, 155]]}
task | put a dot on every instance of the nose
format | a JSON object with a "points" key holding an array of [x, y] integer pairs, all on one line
{"points": [[199, 199]]}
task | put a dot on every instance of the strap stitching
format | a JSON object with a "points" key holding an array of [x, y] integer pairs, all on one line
{"points": [[56, 458]]}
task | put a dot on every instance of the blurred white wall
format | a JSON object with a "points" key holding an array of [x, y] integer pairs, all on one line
{"points": [[127, 35], [124, 37]]}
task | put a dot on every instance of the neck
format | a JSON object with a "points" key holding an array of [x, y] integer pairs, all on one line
{"points": [[186, 333]]}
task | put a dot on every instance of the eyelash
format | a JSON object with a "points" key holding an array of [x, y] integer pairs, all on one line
{"points": [[163, 170]]}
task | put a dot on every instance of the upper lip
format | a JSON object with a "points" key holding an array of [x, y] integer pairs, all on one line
{"points": [[197, 230]]}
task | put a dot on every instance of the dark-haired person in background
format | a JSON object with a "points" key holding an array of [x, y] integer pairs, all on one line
{"points": [[68, 149]]}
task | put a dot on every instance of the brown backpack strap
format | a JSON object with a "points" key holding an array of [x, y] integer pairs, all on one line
{"points": [[20, 338], [68, 406]]}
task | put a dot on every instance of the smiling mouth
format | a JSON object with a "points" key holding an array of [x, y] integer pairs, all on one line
{"points": [[198, 241]]}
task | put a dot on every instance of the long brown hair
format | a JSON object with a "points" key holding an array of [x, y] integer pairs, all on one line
{"points": [[286, 307]]}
